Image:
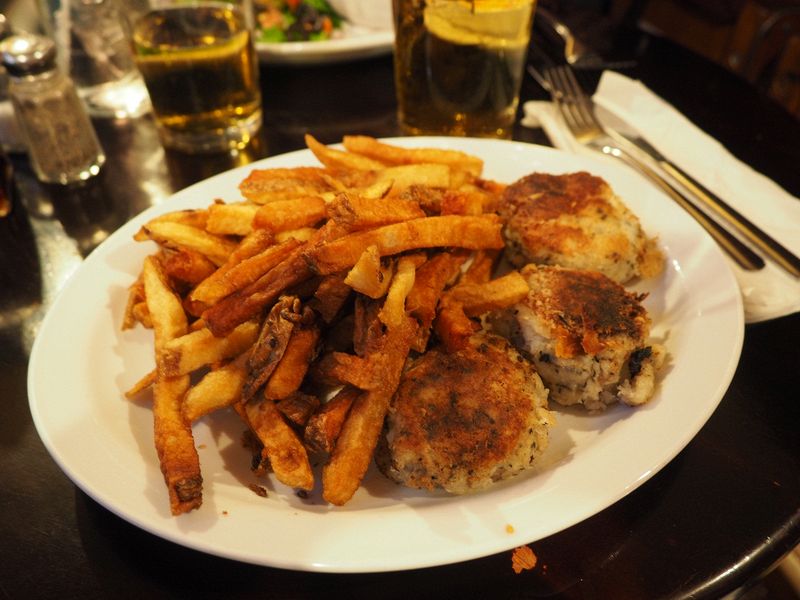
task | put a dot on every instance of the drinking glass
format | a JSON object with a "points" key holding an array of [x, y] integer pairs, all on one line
{"points": [[93, 51], [459, 65], [198, 62]]}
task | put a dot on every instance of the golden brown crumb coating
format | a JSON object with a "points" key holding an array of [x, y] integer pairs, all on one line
{"points": [[586, 335], [461, 421], [575, 220]]}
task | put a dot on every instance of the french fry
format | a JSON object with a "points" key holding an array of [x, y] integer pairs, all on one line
{"points": [[357, 213], [369, 276], [356, 443], [173, 234], [293, 365], [294, 213], [231, 219], [453, 326], [282, 446], [187, 353], [248, 302], [187, 266], [217, 389], [268, 185], [271, 344], [430, 232], [135, 296], [331, 295], [324, 425], [237, 275], [304, 234], [481, 267], [406, 176], [393, 311], [430, 281], [197, 218], [396, 155], [174, 441], [462, 202], [144, 383], [367, 328], [479, 298], [298, 407], [339, 159]]}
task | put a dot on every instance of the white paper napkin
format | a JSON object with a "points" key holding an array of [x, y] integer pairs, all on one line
{"points": [[768, 293]]}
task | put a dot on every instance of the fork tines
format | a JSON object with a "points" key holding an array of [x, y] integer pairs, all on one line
{"points": [[572, 101]]}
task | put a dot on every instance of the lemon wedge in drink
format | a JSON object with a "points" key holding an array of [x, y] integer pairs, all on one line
{"points": [[488, 23]]}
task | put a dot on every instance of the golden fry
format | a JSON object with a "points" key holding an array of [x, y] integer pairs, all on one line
{"points": [[236, 276], [217, 389], [215, 248], [393, 311], [357, 213], [192, 218], [200, 348], [231, 219], [293, 365], [298, 407], [324, 425], [174, 441], [282, 446], [369, 276], [356, 443], [477, 299], [396, 155], [295, 213], [269, 185], [431, 232], [339, 159]]}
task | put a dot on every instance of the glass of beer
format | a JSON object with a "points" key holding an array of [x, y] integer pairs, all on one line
{"points": [[198, 62], [459, 65]]}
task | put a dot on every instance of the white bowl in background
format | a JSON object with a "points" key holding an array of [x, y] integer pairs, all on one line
{"points": [[375, 14]]}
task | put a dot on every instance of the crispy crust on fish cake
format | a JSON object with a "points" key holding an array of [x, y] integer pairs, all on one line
{"points": [[575, 220], [461, 421]]}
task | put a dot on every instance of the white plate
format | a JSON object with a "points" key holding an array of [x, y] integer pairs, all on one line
{"points": [[355, 43], [81, 363]]}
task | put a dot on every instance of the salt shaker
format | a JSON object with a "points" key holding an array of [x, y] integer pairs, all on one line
{"points": [[60, 138]]}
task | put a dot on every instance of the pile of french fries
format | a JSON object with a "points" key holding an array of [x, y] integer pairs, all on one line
{"points": [[299, 306]]}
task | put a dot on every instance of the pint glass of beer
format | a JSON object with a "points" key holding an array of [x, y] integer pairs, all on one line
{"points": [[198, 62], [459, 65]]}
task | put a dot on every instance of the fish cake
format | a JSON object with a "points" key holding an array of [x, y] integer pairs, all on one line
{"points": [[464, 420], [575, 220], [587, 337]]}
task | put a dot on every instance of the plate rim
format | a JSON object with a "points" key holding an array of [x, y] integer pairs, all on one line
{"points": [[466, 553]]}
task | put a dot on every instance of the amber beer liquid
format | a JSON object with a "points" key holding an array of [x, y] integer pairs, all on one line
{"points": [[459, 65], [200, 69]]}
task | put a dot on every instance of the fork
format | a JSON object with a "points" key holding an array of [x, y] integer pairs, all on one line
{"points": [[578, 112]]}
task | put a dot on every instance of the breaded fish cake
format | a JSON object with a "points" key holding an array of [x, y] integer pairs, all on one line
{"points": [[586, 335], [575, 220], [464, 420]]}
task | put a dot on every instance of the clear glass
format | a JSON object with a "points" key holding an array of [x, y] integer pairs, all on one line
{"points": [[459, 65], [52, 119], [199, 64], [93, 50]]}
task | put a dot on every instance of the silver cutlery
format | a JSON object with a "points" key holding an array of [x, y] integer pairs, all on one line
{"points": [[578, 112], [749, 230]]}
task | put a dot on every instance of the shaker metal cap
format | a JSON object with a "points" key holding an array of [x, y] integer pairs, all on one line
{"points": [[27, 54]]}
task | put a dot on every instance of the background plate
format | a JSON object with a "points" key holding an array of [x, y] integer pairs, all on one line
{"points": [[81, 363], [356, 43]]}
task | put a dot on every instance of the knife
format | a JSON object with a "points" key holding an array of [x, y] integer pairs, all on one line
{"points": [[749, 230]]}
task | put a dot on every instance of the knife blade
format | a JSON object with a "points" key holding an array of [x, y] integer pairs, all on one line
{"points": [[624, 134]]}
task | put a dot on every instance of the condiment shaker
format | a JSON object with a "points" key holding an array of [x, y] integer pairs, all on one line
{"points": [[61, 141]]}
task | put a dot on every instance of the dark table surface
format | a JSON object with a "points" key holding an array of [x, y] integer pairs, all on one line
{"points": [[715, 518]]}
